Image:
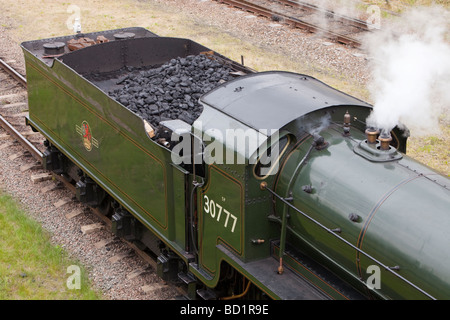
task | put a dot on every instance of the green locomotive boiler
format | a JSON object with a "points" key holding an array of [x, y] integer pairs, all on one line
{"points": [[273, 187]]}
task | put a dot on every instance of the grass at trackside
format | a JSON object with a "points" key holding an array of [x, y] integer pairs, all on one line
{"points": [[433, 150], [31, 267]]}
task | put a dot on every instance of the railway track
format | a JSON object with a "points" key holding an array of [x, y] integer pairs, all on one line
{"points": [[297, 14], [13, 108], [20, 137]]}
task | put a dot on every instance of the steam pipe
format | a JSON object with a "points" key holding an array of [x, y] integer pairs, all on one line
{"points": [[286, 209], [191, 216], [237, 296]]}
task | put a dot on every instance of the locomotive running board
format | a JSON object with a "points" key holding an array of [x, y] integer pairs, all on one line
{"points": [[287, 286], [316, 274], [299, 281]]}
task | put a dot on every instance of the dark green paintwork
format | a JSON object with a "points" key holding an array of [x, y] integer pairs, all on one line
{"points": [[404, 215], [135, 170], [60, 100]]}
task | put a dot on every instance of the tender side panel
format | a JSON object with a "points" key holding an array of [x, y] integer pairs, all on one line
{"points": [[104, 139]]}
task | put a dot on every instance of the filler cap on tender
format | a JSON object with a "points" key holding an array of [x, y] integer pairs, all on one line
{"points": [[272, 99]]}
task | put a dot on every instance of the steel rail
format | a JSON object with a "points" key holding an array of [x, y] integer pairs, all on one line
{"points": [[351, 21], [294, 22], [8, 127], [21, 79], [21, 139]]}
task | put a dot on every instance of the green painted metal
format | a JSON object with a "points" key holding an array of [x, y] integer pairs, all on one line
{"points": [[304, 271], [222, 218], [120, 155], [400, 216], [396, 210], [111, 145]]}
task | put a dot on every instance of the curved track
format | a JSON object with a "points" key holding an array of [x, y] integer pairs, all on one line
{"points": [[308, 17]]}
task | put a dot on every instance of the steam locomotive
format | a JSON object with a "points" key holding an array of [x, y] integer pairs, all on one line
{"points": [[257, 185]]}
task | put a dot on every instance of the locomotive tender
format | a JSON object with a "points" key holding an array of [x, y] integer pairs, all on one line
{"points": [[337, 213]]}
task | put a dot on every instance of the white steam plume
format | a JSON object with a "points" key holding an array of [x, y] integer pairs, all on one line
{"points": [[411, 71]]}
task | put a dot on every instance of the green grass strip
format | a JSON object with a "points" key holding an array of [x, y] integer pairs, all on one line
{"points": [[31, 267]]}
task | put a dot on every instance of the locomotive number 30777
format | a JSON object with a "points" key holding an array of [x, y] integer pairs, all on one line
{"points": [[217, 212]]}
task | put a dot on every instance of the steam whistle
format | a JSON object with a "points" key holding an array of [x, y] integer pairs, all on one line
{"points": [[346, 124]]}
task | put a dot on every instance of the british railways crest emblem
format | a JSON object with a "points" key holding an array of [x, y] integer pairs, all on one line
{"points": [[86, 134]]}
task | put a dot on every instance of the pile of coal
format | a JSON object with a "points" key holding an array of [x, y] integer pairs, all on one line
{"points": [[172, 90]]}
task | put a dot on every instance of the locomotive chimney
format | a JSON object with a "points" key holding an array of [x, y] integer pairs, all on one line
{"points": [[385, 139], [371, 134]]}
